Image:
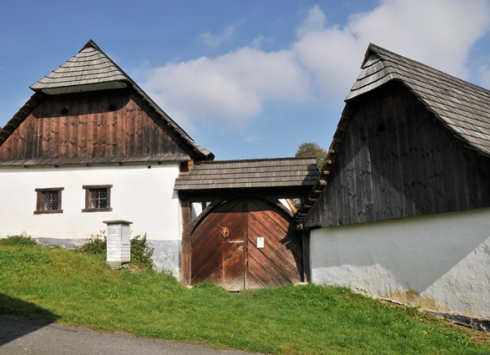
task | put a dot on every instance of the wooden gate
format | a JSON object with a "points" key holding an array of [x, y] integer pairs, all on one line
{"points": [[246, 243]]}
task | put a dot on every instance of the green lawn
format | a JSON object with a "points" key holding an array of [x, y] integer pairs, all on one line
{"points": [[80, 290]]}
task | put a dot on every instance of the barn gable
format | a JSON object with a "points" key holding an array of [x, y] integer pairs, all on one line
{"points": [[88, 111], [412, 141], [401, 209]]}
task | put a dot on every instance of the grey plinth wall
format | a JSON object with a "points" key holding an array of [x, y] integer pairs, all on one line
{"points": [[118, 244]]}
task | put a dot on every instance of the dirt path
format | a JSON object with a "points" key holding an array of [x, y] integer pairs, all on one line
{"points": [[21, 336]]}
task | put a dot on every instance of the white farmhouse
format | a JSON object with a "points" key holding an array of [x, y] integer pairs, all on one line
{"points": [[90, 146]]}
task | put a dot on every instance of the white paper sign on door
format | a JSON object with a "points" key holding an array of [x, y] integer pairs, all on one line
{"points": [[260, 242]]}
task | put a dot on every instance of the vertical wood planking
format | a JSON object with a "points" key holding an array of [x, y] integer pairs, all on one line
{"points": [[237, 257], [186, 242], [416, 166], [138, 127], [130, 112], [91, 129]]}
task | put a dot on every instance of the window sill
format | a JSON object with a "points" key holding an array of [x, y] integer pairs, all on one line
{"points": [[48, 212], [97, 210]]}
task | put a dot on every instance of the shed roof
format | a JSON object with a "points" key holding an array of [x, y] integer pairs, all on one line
{"points": [[257, 173], [91, 69], [463, 107]]}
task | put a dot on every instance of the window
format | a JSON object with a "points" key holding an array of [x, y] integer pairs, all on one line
{"points": [[48, 200], [97, 198]]}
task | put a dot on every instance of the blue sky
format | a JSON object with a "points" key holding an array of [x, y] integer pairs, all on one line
{"points": [[245, 79]]}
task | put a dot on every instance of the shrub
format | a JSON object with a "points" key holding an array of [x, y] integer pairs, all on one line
{"points": [[97, 244], [141, 253], [18, 240]]}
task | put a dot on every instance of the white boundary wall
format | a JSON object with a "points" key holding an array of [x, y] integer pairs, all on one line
{"points": [[141, 195], [440, 262]]}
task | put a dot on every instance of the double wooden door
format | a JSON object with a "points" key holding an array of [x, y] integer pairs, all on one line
{"points": [[246, 243]]}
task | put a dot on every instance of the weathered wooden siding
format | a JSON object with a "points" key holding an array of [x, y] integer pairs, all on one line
{"points": [[117, 123], [233, 259], [398, 160]]}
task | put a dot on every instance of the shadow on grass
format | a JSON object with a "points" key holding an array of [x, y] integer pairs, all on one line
{"points": [[14, 322]]}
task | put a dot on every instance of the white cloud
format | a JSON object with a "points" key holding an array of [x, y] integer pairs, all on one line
{"points": [[231, 87], [314, 22], [322, 62], [259, 41], [484, 72], [439, 33], [215, 40], [251, 138]]}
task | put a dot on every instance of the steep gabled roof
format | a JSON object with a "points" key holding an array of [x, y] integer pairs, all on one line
{"points": [[88, 68], [462, 107], [91, 69], [245, 174]]}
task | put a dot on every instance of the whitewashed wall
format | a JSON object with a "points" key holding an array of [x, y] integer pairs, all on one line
{"points": [[141, 195], [440, 263]]}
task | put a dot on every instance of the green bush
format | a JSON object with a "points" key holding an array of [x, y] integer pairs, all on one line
{"points": [[18, 240], [141, 253], [97, 244]]}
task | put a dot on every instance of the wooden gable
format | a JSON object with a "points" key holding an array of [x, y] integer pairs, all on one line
{"points": [[115, 123], [397, 160], [88, 111], [411, 141]]}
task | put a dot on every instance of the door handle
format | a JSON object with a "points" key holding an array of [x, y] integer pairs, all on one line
{"points": [[225, 232]]}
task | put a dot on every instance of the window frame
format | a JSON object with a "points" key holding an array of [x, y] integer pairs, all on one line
{"points": [[40, 200], [88, 198]]}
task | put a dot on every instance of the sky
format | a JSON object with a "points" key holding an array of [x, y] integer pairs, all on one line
{"points": [[245, 79]]}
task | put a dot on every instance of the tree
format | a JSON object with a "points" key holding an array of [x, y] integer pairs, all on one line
{"points": [[309, 149]]}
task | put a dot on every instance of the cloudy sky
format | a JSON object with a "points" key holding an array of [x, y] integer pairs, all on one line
{"points": [[245, 79]]}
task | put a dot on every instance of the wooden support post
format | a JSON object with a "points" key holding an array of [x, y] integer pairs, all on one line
{"points": [[186, 243], [306, 256]]}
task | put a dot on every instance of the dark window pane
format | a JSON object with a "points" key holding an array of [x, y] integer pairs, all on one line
{"points": [[99, 198]]}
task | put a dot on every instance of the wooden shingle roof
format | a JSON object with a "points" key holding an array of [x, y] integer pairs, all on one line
{"points": [[257, 173], [91, 69], [90, 66], [463, 107]]}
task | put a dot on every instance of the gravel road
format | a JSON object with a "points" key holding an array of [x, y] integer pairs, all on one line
{"points": [[21, 336]]}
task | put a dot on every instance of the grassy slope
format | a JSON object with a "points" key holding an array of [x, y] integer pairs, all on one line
{"points": [[81, 290]]}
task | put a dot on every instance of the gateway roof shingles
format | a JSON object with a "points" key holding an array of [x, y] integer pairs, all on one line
{"points": [[257, 173]]}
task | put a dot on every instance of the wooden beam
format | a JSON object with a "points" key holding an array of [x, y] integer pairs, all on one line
{"points": [[186, 243]]}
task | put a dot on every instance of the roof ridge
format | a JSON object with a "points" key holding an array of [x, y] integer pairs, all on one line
{"points": [[378, 50], [90, 44], [256, 160]]}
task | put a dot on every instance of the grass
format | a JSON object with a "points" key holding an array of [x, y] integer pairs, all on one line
{"points": [[80, 290]]}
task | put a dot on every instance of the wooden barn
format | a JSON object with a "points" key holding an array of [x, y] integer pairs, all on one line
{"points": [[401, 210], [90, 146]]}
